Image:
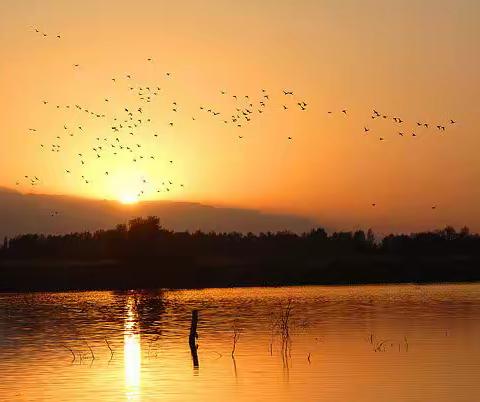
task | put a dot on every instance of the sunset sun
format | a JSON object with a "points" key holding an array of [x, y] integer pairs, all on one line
{"points": [[128, 199]]}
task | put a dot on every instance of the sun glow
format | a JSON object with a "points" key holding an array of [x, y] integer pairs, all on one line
{"points": [[128, 199]]}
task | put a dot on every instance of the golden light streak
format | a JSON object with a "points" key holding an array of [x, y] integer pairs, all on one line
{"points": [[132, 352]]}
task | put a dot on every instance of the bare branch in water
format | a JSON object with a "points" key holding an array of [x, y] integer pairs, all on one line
{"points": [[71, 351], [91, 351], [236, 335], [111, 350]]}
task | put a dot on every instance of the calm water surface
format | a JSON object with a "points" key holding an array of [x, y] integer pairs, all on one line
{"points": [[366, 343]]}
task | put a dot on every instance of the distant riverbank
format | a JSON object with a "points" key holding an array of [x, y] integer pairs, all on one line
{"points": [[142, 254], [175, 273]]}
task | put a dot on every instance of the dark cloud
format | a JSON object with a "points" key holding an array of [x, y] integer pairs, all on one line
{"points": [[20, 213]]}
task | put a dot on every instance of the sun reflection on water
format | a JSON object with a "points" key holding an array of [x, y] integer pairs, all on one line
{"points": [[132, 351]]}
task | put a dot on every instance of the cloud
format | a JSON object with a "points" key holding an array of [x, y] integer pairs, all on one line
{"points": [[30, 213]]}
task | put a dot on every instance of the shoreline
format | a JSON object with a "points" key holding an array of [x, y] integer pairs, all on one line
{"points": [[23, 276], [151, 289]]}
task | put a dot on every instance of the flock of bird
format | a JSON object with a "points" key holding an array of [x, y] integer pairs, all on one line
{"points": [[125, 128], [440, 127], [45, 35]]}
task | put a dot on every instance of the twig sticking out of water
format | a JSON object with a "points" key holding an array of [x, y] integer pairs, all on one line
{"points": [[285, 329], [111, 350], [308, 358], [71, 351], [380, 346], [281, 326], [236, 336], [152, 341], [274, 328], [91, 351]]}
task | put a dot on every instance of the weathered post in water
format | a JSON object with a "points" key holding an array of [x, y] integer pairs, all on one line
{"points": [[193, 329], [192, 339]]}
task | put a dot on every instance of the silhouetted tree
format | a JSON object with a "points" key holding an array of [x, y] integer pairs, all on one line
{"points": [[143, 254], [144, 238]]}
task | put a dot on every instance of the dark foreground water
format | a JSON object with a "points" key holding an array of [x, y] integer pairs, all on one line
{"points": [[364, 343]]}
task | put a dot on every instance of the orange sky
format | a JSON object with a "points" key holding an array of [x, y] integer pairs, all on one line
{"points": [[418, 61]]}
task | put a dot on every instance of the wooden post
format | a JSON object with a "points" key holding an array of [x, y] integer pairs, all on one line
{"points": [[193, 329], [193, 337]]}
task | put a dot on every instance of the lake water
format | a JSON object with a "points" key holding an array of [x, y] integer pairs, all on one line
{"points": [[363, 343]]}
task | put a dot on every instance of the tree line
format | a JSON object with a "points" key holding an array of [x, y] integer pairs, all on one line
{"points": [[145, 238]]}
